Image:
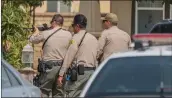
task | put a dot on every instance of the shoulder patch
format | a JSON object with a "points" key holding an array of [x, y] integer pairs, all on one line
{"points": [[99, 37], [72, 42]]}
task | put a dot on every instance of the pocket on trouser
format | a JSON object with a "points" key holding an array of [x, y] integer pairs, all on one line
{"points": [[42, 78], [82, 79], [76, 87], [52, 73]]}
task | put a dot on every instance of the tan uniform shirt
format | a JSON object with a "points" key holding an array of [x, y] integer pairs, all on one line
{"points": [[56, 46], [112, 40], [86, 52]]}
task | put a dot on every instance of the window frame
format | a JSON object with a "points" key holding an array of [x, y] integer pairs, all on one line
{"points": [[137, 9], [170, 11]]}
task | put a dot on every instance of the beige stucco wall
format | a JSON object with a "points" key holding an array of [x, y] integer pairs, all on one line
{"points": [[123, 9], [42, 9], [104, 7]]}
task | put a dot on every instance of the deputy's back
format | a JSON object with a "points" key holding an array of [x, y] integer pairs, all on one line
{"points": [[88, 50], [112, 38], [116, 41], [56, 46]]}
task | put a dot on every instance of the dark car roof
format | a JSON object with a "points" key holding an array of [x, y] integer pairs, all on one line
{"points": [[166, 21], [160, 24]]}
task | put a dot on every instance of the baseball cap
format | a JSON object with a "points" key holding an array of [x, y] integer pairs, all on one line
{"points": [[111, 17], [80, 19]]}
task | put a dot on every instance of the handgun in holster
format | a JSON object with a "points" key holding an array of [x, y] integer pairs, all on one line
{"points": [[36, 80], [41, 69], [41, 66]]}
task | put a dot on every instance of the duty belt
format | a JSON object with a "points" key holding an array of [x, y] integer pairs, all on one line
{"points": [[50, 64], [89, 68]]}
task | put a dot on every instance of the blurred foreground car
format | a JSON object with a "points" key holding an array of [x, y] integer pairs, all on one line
{"points": [[13, 85], [142, 73]]}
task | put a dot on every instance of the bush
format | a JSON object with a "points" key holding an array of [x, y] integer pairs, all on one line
{"points": [[16, 17], [14, 36]]}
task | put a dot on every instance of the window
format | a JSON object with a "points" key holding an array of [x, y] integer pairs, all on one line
{"points": [[133, 75], [147, 19], [8, 78], [58, 6], [150, 3], [148, 13]]}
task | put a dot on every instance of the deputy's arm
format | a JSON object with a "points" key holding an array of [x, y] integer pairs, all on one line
{"points": [[73, 48], [36, 37], [101, 44]]}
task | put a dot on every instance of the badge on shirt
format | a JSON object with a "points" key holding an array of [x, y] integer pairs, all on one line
{"points": [[72, 42]]}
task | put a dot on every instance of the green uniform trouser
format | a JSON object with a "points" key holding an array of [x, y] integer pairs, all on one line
{"points": [[49, 81], [75, 88]]}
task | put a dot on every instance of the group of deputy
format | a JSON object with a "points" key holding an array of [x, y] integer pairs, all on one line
{"points": [[70, 58]]}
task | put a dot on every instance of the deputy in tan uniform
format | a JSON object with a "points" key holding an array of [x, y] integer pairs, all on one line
{"points": [[54, 52], [83, 50], [112, 38]]}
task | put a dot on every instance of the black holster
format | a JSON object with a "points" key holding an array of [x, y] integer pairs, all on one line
{"points": [[81, 69], [75, 70], [73, 74], [36, 80], [41, 66], [41, 69]]}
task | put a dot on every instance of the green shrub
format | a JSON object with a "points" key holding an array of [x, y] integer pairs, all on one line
{"points": [[16, 17], [14, 36]]}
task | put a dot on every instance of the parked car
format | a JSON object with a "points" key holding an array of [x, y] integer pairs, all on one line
{"points": [[13, 85], [164, 26], [142, 73], [162, 29]]}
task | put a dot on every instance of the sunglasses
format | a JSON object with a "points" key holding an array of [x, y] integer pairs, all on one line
{"points": [[103, 21], [73, 25]]}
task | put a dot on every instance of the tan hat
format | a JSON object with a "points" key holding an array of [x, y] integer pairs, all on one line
{"points": [[111, 17]]}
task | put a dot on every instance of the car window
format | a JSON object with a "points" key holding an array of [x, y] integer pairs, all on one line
{"points": [[162, 28], [167, 28], [156, 29], [134, 74], [4, 78]]}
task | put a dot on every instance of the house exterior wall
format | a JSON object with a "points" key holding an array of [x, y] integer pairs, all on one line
{"points": [[123, 9], [104, 7]]}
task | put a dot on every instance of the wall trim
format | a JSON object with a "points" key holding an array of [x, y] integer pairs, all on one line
{"points": [[133, 18], [50, 14]]}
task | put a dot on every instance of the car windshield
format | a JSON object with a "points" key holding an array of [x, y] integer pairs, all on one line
{"points": [[134, 75]]}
